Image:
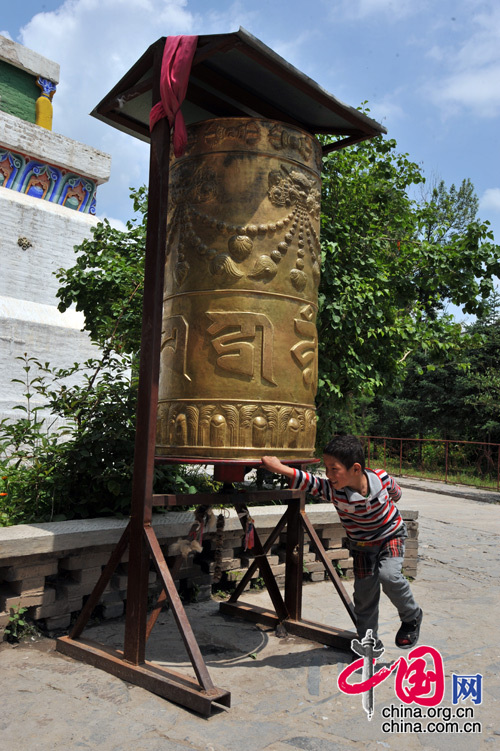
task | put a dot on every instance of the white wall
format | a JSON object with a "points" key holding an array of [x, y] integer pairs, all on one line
{"points": [[29, 319]]}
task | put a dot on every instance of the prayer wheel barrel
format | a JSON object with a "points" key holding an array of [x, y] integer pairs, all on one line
{"points": [[238, 370]]}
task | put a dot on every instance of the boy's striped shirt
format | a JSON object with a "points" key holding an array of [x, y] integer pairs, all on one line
{"points": [[370, 519]]}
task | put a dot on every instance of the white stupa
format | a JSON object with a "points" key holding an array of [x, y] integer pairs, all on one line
{"points": [[48, 189]]}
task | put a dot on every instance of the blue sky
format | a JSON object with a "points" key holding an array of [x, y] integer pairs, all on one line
{"points": [[429, 70]]}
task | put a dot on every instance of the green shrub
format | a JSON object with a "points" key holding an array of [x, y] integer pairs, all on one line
{"points": [[73, 457]]}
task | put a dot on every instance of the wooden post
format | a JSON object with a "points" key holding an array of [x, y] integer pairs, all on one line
{"points": [[142, 486]]}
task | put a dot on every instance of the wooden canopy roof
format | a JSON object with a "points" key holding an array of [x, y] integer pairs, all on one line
{"points": [[236, 75]]}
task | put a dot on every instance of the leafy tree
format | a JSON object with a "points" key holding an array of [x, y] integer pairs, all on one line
{"points": [[390, 264], [106, 281], [72, 457], [481, 386], [447, 213], [459, 400]]}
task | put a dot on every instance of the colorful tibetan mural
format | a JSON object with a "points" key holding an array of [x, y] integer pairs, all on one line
{"points": [[34, 178]]}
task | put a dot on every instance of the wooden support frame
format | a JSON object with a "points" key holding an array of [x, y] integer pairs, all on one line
{"points": [[288, 610], [201, 694], [198, 694]]}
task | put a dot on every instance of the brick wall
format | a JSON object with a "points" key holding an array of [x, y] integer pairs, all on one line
{"points": [[52, 568]]}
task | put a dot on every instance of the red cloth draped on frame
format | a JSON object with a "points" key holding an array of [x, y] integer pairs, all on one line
{"points": [[175, 69]]}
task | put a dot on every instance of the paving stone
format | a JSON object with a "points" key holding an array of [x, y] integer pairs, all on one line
{"points": [[204, 593], [231, 564], [112, 609], [16, 573], [317, 576], [76, 562], [247, 560], [309, 557], [70, 590], [49, 595], [235, 575], [58, 608], [58, 623], [231, 552], [316, 566], [278, 569], [409, 515], [332, 542], [8, 599], [337, 554], [113, 596], [411, 556], [87, 575], [28, 587], [332, 531], [410, 571], [119, 581]]}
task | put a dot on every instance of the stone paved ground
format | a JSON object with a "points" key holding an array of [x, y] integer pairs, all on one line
{"points": [[284, 690]]}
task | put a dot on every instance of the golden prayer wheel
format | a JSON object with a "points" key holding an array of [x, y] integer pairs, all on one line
{"points": [[238, 371]]}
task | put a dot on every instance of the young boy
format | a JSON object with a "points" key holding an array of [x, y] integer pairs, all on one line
{"points": [[364, 499]]}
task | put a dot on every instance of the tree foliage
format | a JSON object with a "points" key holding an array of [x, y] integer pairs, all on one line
{"points": [[446, 213], [73, 456], [390, 266], [460, 400], [105, 283]]}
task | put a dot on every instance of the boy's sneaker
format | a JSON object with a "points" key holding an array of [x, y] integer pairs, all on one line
{"points": [[409, 631]]}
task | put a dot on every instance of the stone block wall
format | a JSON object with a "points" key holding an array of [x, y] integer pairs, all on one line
{"points": [[51, 569]]}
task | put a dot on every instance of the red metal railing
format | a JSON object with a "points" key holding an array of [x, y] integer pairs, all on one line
{"points": [[456, 462]]}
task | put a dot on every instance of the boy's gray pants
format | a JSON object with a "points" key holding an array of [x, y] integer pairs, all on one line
{"points": [[386, 573]]}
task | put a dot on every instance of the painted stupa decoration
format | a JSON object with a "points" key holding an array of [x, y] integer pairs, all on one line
{"points": [[26, 96]]}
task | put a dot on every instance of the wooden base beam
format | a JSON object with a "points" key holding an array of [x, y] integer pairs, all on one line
{"points": [[329, 635], [169, 684]]}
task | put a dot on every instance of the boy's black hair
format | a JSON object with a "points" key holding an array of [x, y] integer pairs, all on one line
{"points": [[347, 449]]}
